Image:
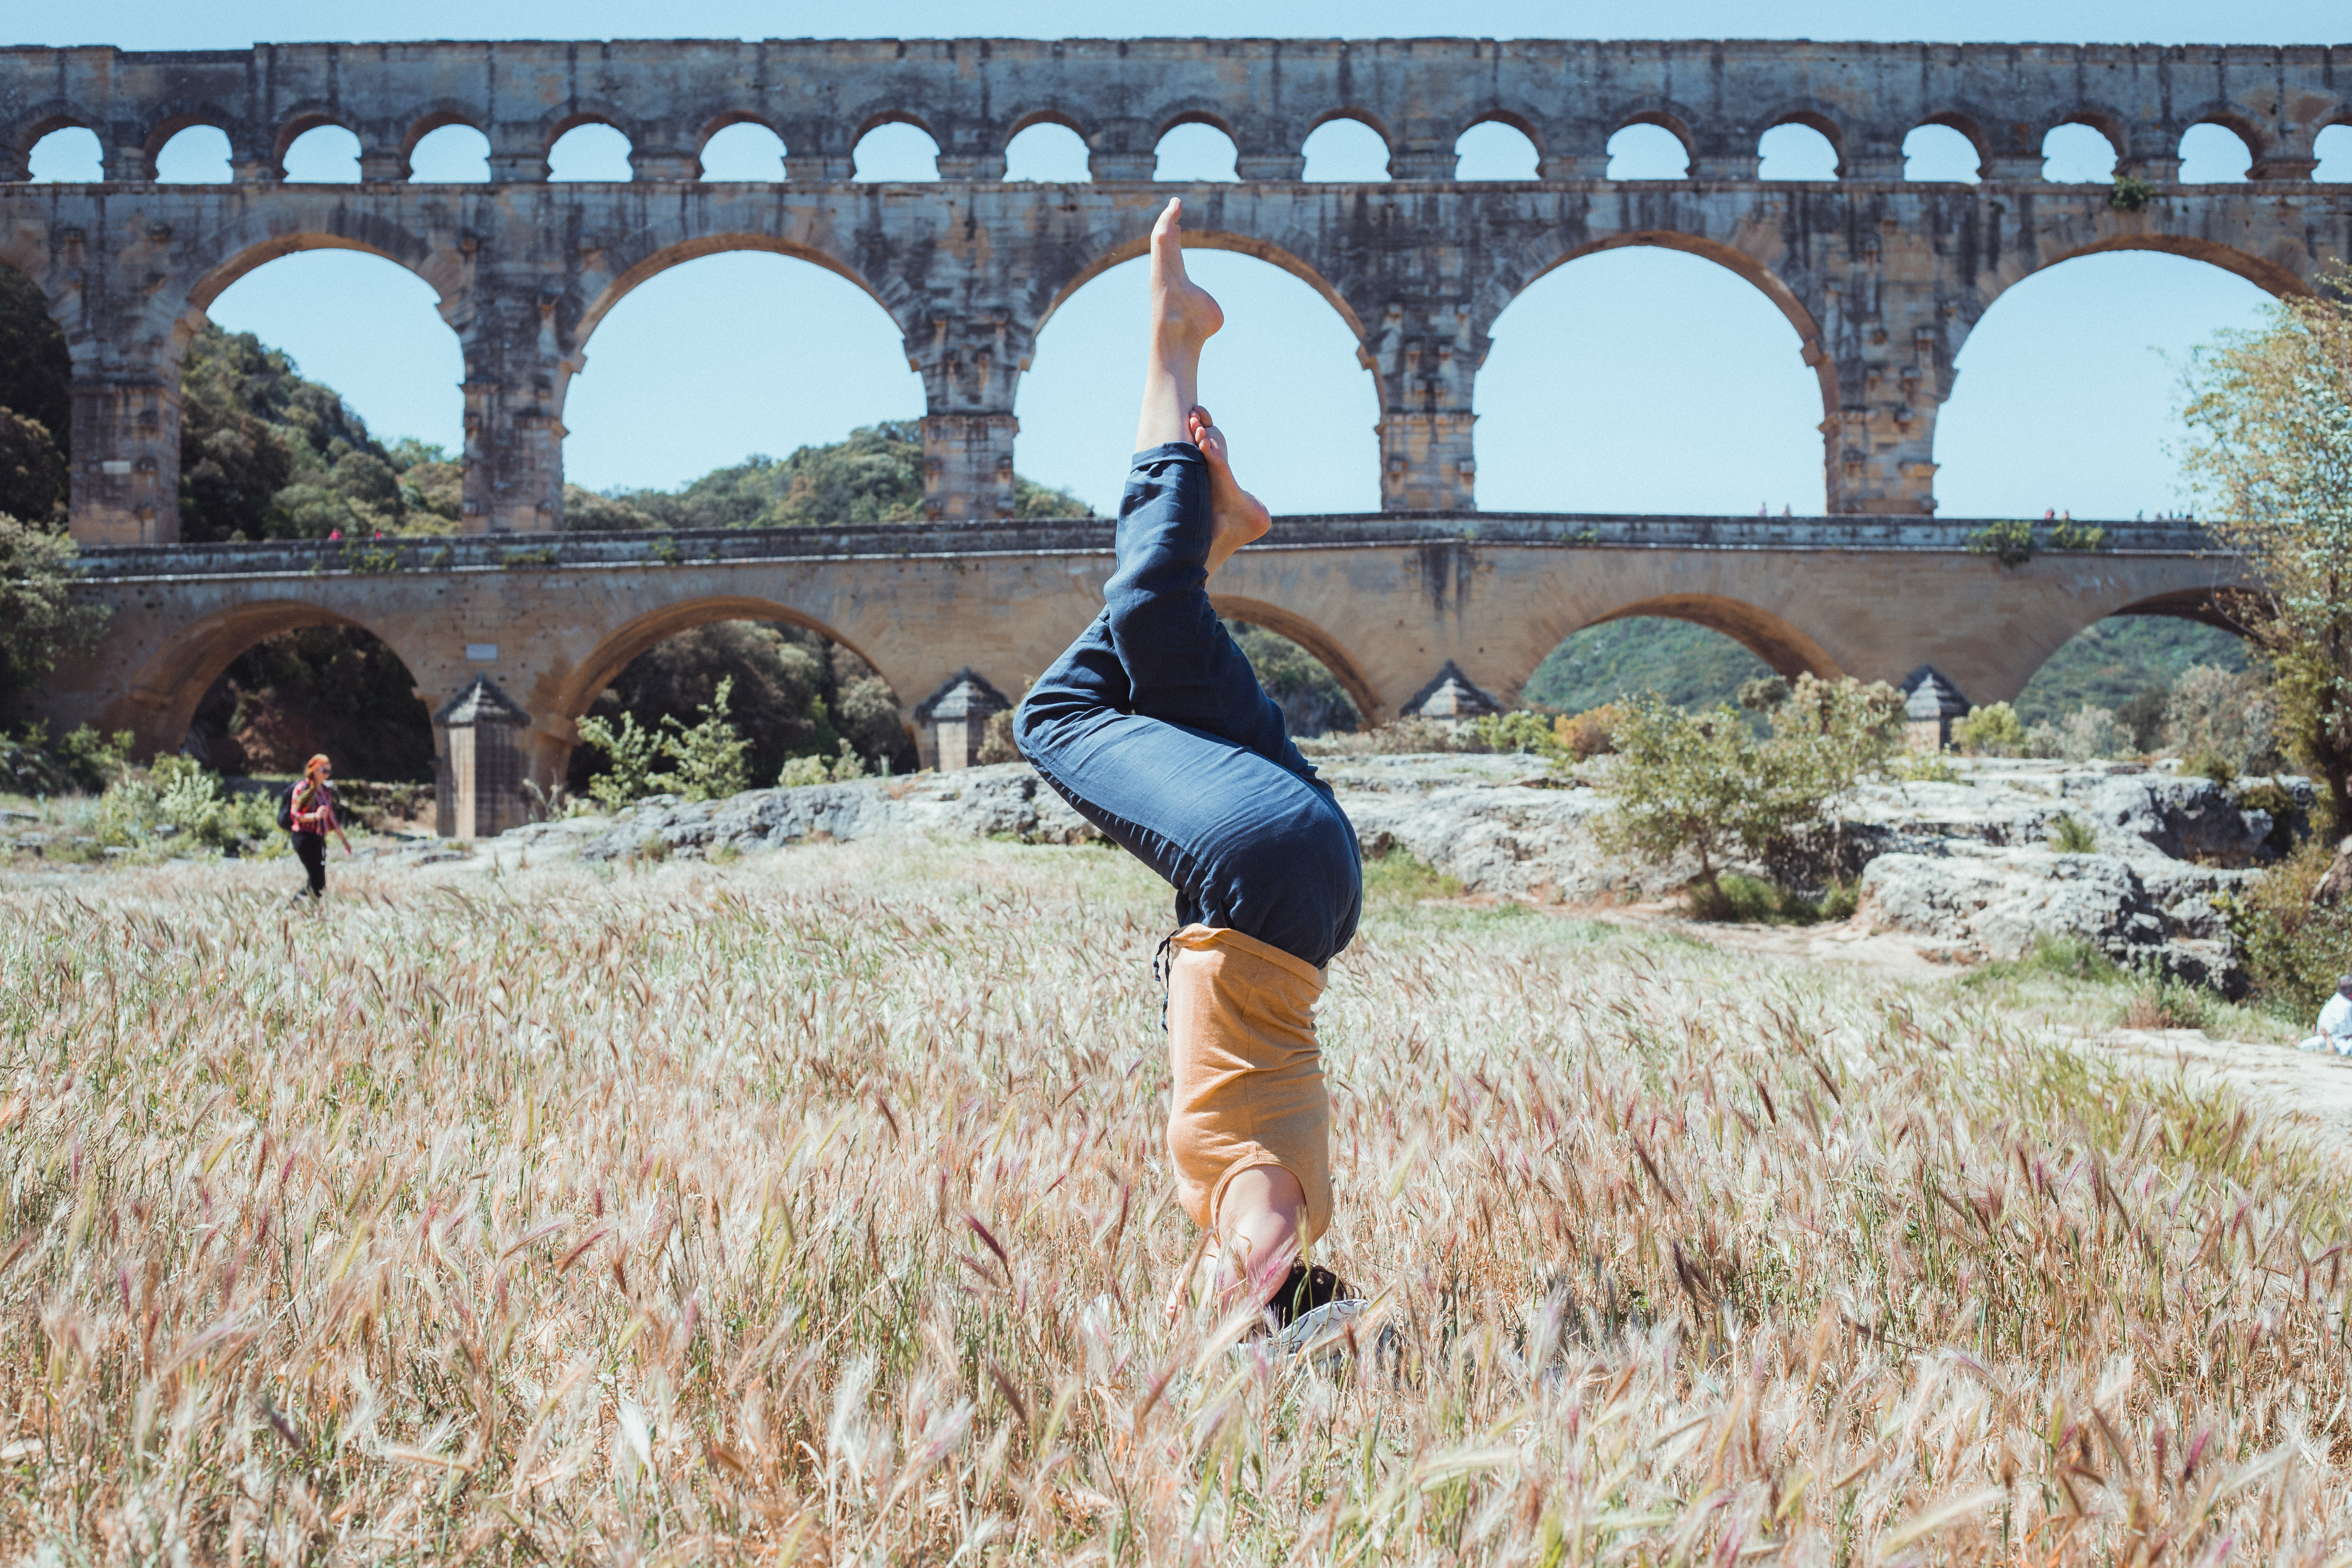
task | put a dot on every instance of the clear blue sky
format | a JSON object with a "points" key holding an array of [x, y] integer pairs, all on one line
{"points": [[1636, 380]]}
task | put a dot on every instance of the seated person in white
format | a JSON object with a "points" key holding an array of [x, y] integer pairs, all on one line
{"points": [[2335, 1023]]}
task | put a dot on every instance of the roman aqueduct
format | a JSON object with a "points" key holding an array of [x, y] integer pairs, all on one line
{"points": [[1881, 278]]}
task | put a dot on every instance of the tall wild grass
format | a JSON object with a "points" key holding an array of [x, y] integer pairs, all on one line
{"points": [[815, 1209]]}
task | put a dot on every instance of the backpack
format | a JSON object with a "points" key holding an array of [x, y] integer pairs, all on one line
{"points": [[285, 807]]}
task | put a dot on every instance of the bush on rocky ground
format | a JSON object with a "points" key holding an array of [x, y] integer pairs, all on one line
{"points": [[178, 802], [1702, 784], [2294, 945]]}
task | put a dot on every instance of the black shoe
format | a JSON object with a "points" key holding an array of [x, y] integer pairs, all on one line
{"points": [[1302, 1290]]}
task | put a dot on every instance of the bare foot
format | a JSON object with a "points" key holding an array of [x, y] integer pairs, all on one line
{"points": [[1183, 315], [1236, 517]]}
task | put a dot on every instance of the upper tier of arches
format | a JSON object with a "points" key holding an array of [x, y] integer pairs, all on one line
{"points": [[974, 98]]}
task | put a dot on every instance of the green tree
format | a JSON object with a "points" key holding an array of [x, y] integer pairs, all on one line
{"points": [[873, 476], [1312, 700], [266, 454], [2270, 421], [32, 470], [1704, 785], [36, 372], [40, 622], [706, 756]]}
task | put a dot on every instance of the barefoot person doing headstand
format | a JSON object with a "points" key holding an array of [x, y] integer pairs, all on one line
{"points": [[1153, 725]]}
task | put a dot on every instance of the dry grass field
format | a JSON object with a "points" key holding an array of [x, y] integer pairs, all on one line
{"points": [[813, 1209]]}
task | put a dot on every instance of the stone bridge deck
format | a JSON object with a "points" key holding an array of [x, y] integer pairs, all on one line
{"points": [[1386, 600]]}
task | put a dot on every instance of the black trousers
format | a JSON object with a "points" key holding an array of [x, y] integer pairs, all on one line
{"points": [[311, 849]]}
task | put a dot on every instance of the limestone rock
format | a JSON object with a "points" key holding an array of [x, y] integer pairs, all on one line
{"points": [[1983, 901]]}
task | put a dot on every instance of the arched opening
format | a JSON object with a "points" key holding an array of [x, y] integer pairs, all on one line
{"points": [[2214, 155], [895, 153], [1946, 153], [2064, 392], [1047, 154], [590, 152], [70, 156], [332, 687], [1648, 152], [323, 155], [450, 155], [294, 423], [36, 404], [1303, 439], [304, 677], [198, 155], [2109, 690], [704, 367], [1493, 149], [1346, 151], [2077, 154], [796, 694], [1302, 667], [1195, 150], [1587, 402], [747, 153], [1796, 151], [2333, 147], [1693, 653]]}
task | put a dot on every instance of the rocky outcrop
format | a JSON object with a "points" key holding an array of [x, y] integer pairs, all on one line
{"points": [[1974, 900], [1962, 866]]}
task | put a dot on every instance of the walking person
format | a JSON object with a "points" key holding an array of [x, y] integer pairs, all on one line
{"points": [[1153, 726], [310, 814]]}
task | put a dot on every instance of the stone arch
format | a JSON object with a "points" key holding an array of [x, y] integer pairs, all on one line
{"points": [[2230, 118], [1360, 115], [1196, 111], [299, 122], [659, 258], [1071, 121], [1326, 648], [575, 692], [233, 252], [555, 127], [1674, 118], [874, 119], [1970, 125], [2274, 276], [1525, 122], [715, 121], [23, 131], [2211, 606], [1813, 118], [438, 115], [169, 118], [1052, 290], [162, 695], [1777, 642], [1507, 282]]}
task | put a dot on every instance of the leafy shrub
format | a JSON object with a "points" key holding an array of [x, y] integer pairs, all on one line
{"points": [[996, 744], [2072, 535], [2070, 835], [1991, 731], [1591, 733], [2130, 194], [1704, 784], [2164, 1002], [2292, 949], [1522, 731], [2227, 715], [179, 798], [631, 755], [708, 753], [2055, 958], [2010, 542], [801, 772]]}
